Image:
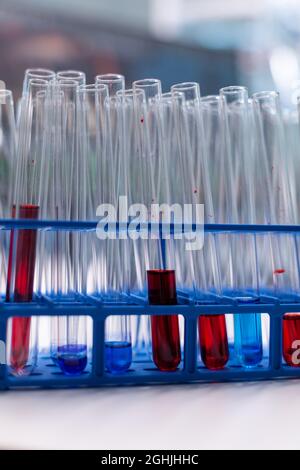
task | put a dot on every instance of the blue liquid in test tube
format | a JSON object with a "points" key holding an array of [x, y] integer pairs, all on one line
{"points": [[118, 356], [248, 339], [72, 358]]}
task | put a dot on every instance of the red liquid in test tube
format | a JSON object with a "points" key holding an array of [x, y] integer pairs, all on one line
{"points": [[291, 339], [165, 328], [23, 289], [213, 341]]}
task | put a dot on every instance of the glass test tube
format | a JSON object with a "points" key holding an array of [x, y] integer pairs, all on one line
{"points": [[212, 329], [240, 184], [37, 73], [114, 82], [122, 113], [150, 172], [111, 282], [69, 338], [279, 273], [31, 168], [102, 144]]}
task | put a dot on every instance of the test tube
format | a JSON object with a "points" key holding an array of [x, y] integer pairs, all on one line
{"points": [[193, 140], [60, 250], [111, 277], [151, 87], [17, 356], [128, 103], [284, 267], [239, 192], [96, 172], [212, 328], [34, 74], [279, 273], [118, 348], [114, 81], [69, 337], [31, 173], [153, 190], [37, 73], [165, 328]]}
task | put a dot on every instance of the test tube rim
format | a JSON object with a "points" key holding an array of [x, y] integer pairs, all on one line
{"points": [[108, 77], [185, 87], [75, 73], [260, 95], [146, 82], [40, 73], [4, 93]]}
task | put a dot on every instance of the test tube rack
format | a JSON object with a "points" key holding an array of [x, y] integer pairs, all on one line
{"points": [[145, 373]]}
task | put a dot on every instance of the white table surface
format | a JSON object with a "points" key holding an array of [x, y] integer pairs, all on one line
{"points": [[216, 416]]}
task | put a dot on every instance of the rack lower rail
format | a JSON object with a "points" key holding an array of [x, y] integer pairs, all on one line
{"points": [[143, 370]]}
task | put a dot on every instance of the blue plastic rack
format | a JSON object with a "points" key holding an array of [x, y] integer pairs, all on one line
{"points": [[47, 376]]}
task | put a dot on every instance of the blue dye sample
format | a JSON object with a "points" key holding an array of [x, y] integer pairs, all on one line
{"points": [[118, 356], [248, 339], [72, 358], [251, 356]]}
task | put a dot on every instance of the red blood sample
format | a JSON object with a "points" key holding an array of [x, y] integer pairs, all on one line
{"points": [[291, 339], [23, 291], [213, 341], [165, 328]]}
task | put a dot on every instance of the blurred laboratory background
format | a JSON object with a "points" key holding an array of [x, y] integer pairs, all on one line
{"points": [[215, 42]]}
